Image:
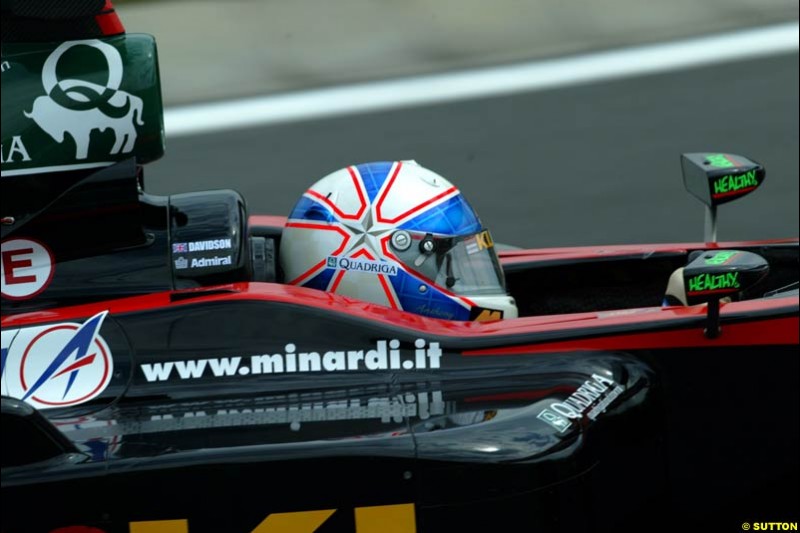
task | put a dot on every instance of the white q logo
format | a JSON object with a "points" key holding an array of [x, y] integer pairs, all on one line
{"points": [[77, 106], [51, 83]]}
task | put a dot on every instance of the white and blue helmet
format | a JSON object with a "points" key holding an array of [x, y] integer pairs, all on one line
{"points": [[399, 235]]}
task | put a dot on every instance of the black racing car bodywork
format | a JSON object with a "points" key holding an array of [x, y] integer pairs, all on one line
{"points": [[264, 400], [158, 375]]}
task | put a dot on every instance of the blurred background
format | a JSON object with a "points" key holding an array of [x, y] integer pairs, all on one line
{"points": [[595, 162]]}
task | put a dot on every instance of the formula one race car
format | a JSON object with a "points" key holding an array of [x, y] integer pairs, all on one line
{"points": [[158, 374]]}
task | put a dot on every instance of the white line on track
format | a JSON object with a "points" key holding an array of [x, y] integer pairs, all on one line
{"points": [[484, 82]]}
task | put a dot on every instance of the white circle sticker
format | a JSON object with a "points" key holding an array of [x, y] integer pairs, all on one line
{"points": [[27, 268], [59, 365], [58, 387]]}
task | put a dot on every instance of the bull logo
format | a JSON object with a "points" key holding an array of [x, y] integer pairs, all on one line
{"points": [[78, 107]]}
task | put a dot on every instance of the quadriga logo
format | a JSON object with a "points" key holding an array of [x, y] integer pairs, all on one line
{"points": [[78, 107]]}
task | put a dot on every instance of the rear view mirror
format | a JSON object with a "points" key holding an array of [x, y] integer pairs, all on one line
{"points": [[722, 273], [719, 178], [716, 274], [715, 179]]}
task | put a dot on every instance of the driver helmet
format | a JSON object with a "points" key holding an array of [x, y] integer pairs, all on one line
{"points": [[399, 235]]}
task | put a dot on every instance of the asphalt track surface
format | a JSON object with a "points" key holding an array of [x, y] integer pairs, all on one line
{"points": [[586, 165]]}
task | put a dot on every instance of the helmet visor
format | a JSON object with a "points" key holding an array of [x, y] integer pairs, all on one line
{"points": [[464, 265]]}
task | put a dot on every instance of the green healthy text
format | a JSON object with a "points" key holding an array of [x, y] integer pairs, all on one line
{"points": [[714, 282], [733, 183]]}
